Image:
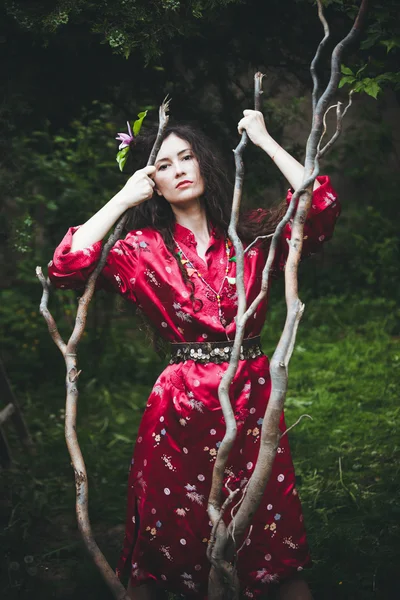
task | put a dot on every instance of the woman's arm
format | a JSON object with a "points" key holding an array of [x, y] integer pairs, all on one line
{"points": [[137, 189], [253, 123]]}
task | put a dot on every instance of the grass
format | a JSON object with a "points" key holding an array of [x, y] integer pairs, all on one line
{"points": [[344, 373]]}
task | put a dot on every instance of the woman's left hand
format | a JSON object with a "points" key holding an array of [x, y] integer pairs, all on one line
{"points": [[253, 122]]}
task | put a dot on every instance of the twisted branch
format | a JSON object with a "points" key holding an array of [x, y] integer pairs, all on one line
{"points": [[258, 238], [219, 575], [339, 122], [316, 59], [69, 352], [225, 543], [294, 424]]}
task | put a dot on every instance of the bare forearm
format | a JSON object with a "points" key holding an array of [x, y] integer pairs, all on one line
{"points": [[289, 166], [137, 189], [100, 224]]}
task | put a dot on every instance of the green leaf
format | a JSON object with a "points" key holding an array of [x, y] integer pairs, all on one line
{"points": [[359, 87], [233, 259], [122, 157], [372, 89], [345, 70], [390, 44], [346, 79], [138, 123]]}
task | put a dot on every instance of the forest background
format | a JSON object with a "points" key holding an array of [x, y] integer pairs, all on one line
{"points": [[73, 72]]}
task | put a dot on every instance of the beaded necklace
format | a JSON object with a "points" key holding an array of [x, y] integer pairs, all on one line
{"points": [[192, 269]]}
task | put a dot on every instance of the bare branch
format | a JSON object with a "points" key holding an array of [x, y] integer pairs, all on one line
{"points": [[235, 509], [232, 495], [222, 573], [331, 88], [337, 106], [259, 237], [314, 63], [162, 123], [69, 352], [245, 539], [43, 309], [223, 390], [258, 77], [294, 424], [270, 434], [339, 121]]}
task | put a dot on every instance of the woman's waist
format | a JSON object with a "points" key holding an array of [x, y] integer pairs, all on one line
{"points": [[215, 351]]}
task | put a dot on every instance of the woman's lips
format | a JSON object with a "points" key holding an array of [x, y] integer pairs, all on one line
{"points": [[184, 183]]}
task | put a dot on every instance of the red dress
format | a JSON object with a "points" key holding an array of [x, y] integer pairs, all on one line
{"points": [[167, 526]]}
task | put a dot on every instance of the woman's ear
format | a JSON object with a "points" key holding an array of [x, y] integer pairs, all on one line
{"points": [[157, 191]]}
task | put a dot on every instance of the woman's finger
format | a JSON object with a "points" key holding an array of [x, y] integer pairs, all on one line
{"points": [[149, 170]]}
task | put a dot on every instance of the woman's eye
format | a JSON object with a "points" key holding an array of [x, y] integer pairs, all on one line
{"points": [[162, 167], [187, 157]]}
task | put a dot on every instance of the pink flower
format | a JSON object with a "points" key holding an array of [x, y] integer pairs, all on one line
{"points": [[125, 138]]}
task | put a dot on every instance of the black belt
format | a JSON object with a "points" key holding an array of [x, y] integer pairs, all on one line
{"points": [[216, 352]]}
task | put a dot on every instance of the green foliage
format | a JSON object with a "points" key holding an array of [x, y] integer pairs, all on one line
{"points": [[137, 125], [380, 46], [58, 180], [369, 85], [345, 367], [126, 25], [345, 373], [122, 157]]}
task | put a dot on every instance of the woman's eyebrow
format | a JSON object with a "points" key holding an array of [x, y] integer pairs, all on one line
{"points": [[168, 158]]}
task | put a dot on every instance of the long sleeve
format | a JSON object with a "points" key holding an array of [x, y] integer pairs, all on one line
{"points": [[71, 270], [320, 223], [318, 228]]}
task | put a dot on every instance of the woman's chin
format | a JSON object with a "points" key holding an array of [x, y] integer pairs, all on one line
{"points": [[185, 200]]}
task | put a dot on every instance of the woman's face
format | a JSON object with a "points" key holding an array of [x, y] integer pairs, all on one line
{"points": [[177, 175]]}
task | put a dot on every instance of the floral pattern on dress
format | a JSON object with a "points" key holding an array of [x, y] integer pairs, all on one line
{"points": [[167, 526]]}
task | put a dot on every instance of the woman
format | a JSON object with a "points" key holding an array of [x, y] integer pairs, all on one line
{"points": [[177, 264]]}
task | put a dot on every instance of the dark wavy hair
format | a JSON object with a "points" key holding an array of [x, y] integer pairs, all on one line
{"points": [[157, 212], [218, 190]]}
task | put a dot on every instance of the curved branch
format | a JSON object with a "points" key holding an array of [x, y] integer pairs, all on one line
{"points": [[331, 88], [69, 352], [314, 63], [223, 390], [270, 433], [43, 309], [219, 574], [294, 424], [339, 122], [259, 237]]}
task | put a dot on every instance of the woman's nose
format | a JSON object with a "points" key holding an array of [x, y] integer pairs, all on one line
{"points": [[179, 170]]}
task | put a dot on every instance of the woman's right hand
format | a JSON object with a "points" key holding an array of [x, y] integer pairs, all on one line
{"points": [[138, 188]]}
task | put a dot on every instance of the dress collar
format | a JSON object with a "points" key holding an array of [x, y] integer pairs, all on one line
{"points": [[186, 236]]}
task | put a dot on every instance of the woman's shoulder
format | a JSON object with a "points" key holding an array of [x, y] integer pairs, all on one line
{"points": [[143, 239], [144, 234]]}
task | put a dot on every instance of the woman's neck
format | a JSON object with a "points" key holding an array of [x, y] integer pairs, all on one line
{"points": [[193, 217]]}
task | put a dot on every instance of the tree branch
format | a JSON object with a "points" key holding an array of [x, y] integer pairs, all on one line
{"points": [[316, 59], [294, 424], [219, 575], [258, 238], [299, 207], [339, 121], [69, 351]]}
